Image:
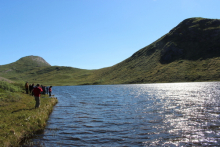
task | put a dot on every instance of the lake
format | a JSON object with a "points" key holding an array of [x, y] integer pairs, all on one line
{"points": [[169, 114]]}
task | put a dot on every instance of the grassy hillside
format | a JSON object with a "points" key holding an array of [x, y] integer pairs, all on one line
{"points": [[189, 52], [57, 75], [19, 118], [15, 70], [49, 75], [35, 69]]}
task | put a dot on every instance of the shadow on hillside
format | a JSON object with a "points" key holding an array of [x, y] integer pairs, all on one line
{"points": [[22, 110], [191, 56]]}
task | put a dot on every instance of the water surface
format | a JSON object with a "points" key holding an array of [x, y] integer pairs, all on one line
{"points": [[175, 114]]}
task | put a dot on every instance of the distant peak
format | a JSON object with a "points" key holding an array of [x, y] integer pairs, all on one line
{"points": [[39, 60]]}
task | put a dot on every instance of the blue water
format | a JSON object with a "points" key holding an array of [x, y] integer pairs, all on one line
{"points": [[175, 114]]}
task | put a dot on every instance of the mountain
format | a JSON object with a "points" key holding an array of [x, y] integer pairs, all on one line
{"points": [[32, 61], [27, 62], [22, 65], [35, 69], [188, 52]]}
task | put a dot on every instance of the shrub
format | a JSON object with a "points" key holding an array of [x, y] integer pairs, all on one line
{"points": [[9, 87], [10, 97]]}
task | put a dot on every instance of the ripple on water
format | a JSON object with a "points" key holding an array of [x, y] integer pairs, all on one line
{"points": [[174, 114]]}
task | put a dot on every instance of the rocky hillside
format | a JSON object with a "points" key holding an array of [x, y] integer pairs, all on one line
{"points": [[33, 60], [192, 39]]}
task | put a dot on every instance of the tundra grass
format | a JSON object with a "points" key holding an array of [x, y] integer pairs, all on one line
{"points": [[19, 118]]}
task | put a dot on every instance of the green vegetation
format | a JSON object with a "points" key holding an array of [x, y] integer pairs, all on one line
{"points": [[19, 119], [189, 52], [27, 69], [10, 87]]}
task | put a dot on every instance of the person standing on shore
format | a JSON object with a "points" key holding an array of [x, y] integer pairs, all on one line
{"points": [[50, 90], [47, 90], [26, 87], [30, 88], [37, 91], [44, 89], [32, 93]]}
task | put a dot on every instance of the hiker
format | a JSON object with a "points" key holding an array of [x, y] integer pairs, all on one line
{"points": [[30, 88], [41, 86], [37, 91], [32, 93], [26, 87], [44, 89], [50, 90], [47, 90]]}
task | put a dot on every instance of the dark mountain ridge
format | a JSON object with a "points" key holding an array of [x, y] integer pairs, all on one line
{"points": [[192, 39]]}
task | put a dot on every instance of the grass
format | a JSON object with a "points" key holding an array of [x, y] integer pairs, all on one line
{"points": [[9, 87], [19, 120]]}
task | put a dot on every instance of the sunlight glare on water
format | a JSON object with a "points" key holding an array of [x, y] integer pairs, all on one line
{"points": [[169, 114]]}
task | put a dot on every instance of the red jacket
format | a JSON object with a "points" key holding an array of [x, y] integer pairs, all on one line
{"points": [[37, 91]]}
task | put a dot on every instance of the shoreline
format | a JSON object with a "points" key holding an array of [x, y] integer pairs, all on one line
{"points": [[20, 120]]}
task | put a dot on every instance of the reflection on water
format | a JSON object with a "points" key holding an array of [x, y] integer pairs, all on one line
{"points": [[177, 114]]}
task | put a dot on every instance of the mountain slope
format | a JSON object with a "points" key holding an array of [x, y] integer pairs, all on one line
{"points": [[5, 80], [189, 52], [192, 39], [22, 65], [35, 69]]}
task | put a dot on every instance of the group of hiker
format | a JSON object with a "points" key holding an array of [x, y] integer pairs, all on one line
{"points": [[37, 90]]}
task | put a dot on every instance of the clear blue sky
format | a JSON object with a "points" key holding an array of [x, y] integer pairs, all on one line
{"points": [[90, 34]]}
